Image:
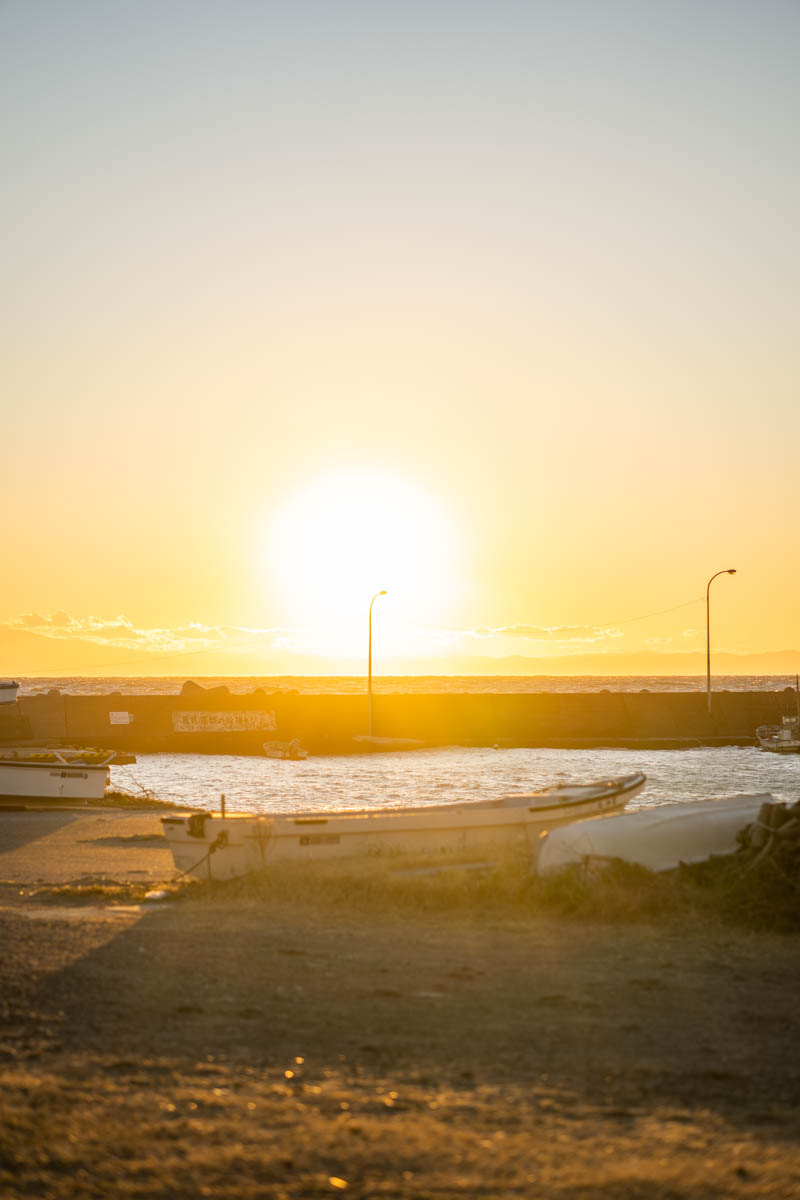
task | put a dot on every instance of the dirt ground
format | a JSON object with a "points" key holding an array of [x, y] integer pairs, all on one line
{"points": [[238, 1048]]}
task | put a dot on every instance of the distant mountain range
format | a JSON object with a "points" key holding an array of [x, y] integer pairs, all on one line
{"points": [[28, 654]]}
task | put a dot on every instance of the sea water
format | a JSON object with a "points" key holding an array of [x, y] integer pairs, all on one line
{"points": [[416, 685], [449, 774]]}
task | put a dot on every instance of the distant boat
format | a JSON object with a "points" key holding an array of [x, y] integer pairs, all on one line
{"points": [[370, 741], [783, 738], [780, 739], [659, 838], [292, 750], [44, 773], [213, 846]]}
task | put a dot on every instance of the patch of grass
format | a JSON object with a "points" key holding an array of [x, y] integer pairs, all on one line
{"points": [[725, 890], [127, 800], [99, 891], [763, 895], [379, 883]]}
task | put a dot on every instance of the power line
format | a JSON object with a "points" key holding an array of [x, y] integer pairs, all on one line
{"points": [[645, 616]]}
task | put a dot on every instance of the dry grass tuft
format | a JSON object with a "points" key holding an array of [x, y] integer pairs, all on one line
{"points": [[97, 892], [141, 800], [765, 896]]}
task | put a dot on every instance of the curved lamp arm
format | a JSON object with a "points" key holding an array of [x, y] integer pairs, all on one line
{"points": [[728, 571]]}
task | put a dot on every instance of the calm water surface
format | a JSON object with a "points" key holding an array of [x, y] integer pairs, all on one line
{"points": [[450, 773]]}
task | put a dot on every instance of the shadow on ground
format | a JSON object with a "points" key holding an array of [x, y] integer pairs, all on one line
{"points": [[620, 1016]]}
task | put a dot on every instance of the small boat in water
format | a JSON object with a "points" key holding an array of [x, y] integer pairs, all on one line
{"points": [[291, 750], [783, 738], [224, 847], [46, 773], [659, 838], [780, 739]]}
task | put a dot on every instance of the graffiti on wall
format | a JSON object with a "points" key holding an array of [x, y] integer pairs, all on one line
{"points": [[195, 721]]}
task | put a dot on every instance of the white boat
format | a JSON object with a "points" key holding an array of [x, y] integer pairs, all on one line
{"points": [[783, 738], [780, 739], [45, 773], [369, 741], [8, 691], [659, 838], [291, 750], [209, 845]]}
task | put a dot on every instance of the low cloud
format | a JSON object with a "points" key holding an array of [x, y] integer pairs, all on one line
{"points": [[546, 634], [120, 632], [561, 633]]}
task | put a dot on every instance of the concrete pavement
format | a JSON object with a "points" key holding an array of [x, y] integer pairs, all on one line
{"points": [[77, 845]]}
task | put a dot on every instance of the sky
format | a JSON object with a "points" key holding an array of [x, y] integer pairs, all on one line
{"points": [[489, 305]]}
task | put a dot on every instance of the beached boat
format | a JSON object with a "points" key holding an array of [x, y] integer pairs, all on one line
{"points": [[223, 847], [44, 773], [659, 838]]}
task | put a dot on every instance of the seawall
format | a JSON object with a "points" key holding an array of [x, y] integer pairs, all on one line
{"points": [[215, 721]]}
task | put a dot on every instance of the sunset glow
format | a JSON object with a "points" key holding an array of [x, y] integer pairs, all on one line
{"points": [[348, 534], [488, 306]]}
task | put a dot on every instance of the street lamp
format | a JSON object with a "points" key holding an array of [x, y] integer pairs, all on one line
{"points": [[369, 668], [730, 571]]}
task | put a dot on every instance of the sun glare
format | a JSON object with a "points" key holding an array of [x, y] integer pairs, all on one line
{"points": [[341, 539]]}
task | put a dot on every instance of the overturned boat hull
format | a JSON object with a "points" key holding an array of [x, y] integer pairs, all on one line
{"points": [[659, 838], [208, 845]]}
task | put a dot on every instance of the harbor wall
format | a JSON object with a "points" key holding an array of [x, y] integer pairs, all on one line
{"points": [[214, 720]]}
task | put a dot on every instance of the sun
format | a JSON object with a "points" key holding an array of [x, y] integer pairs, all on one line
{"points": [[349, 534]]}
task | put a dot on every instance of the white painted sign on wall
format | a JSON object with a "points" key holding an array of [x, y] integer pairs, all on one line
{"points": [[120, 718], [222, 722]]}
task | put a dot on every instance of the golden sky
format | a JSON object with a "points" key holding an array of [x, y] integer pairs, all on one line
{"points": [[493, 306]]}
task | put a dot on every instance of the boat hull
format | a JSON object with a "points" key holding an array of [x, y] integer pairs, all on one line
{"points": [[659, 839], [52, 781], [210, 846]]}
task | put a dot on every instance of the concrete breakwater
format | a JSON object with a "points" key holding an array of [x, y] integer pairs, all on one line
{"points": [[199, 720]]}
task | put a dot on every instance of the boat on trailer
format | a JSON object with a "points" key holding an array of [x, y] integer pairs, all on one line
{"points": [[48, 773], [212, 845]]}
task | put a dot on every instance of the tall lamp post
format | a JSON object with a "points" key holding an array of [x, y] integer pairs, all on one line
{"points": [[730, 571], [369, 667]]}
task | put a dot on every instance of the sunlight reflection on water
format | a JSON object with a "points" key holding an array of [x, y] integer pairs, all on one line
{"points": [[450, 773]]}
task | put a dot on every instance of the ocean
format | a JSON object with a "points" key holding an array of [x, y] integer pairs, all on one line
{"points": [[158, 685], [433, 776], [443, 774]]}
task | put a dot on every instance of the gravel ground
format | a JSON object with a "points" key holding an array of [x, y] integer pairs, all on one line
{"points": [[236, 1048]]}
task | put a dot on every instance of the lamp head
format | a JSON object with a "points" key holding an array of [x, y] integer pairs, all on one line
{"points": [[732, 571], [383, 593]]}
